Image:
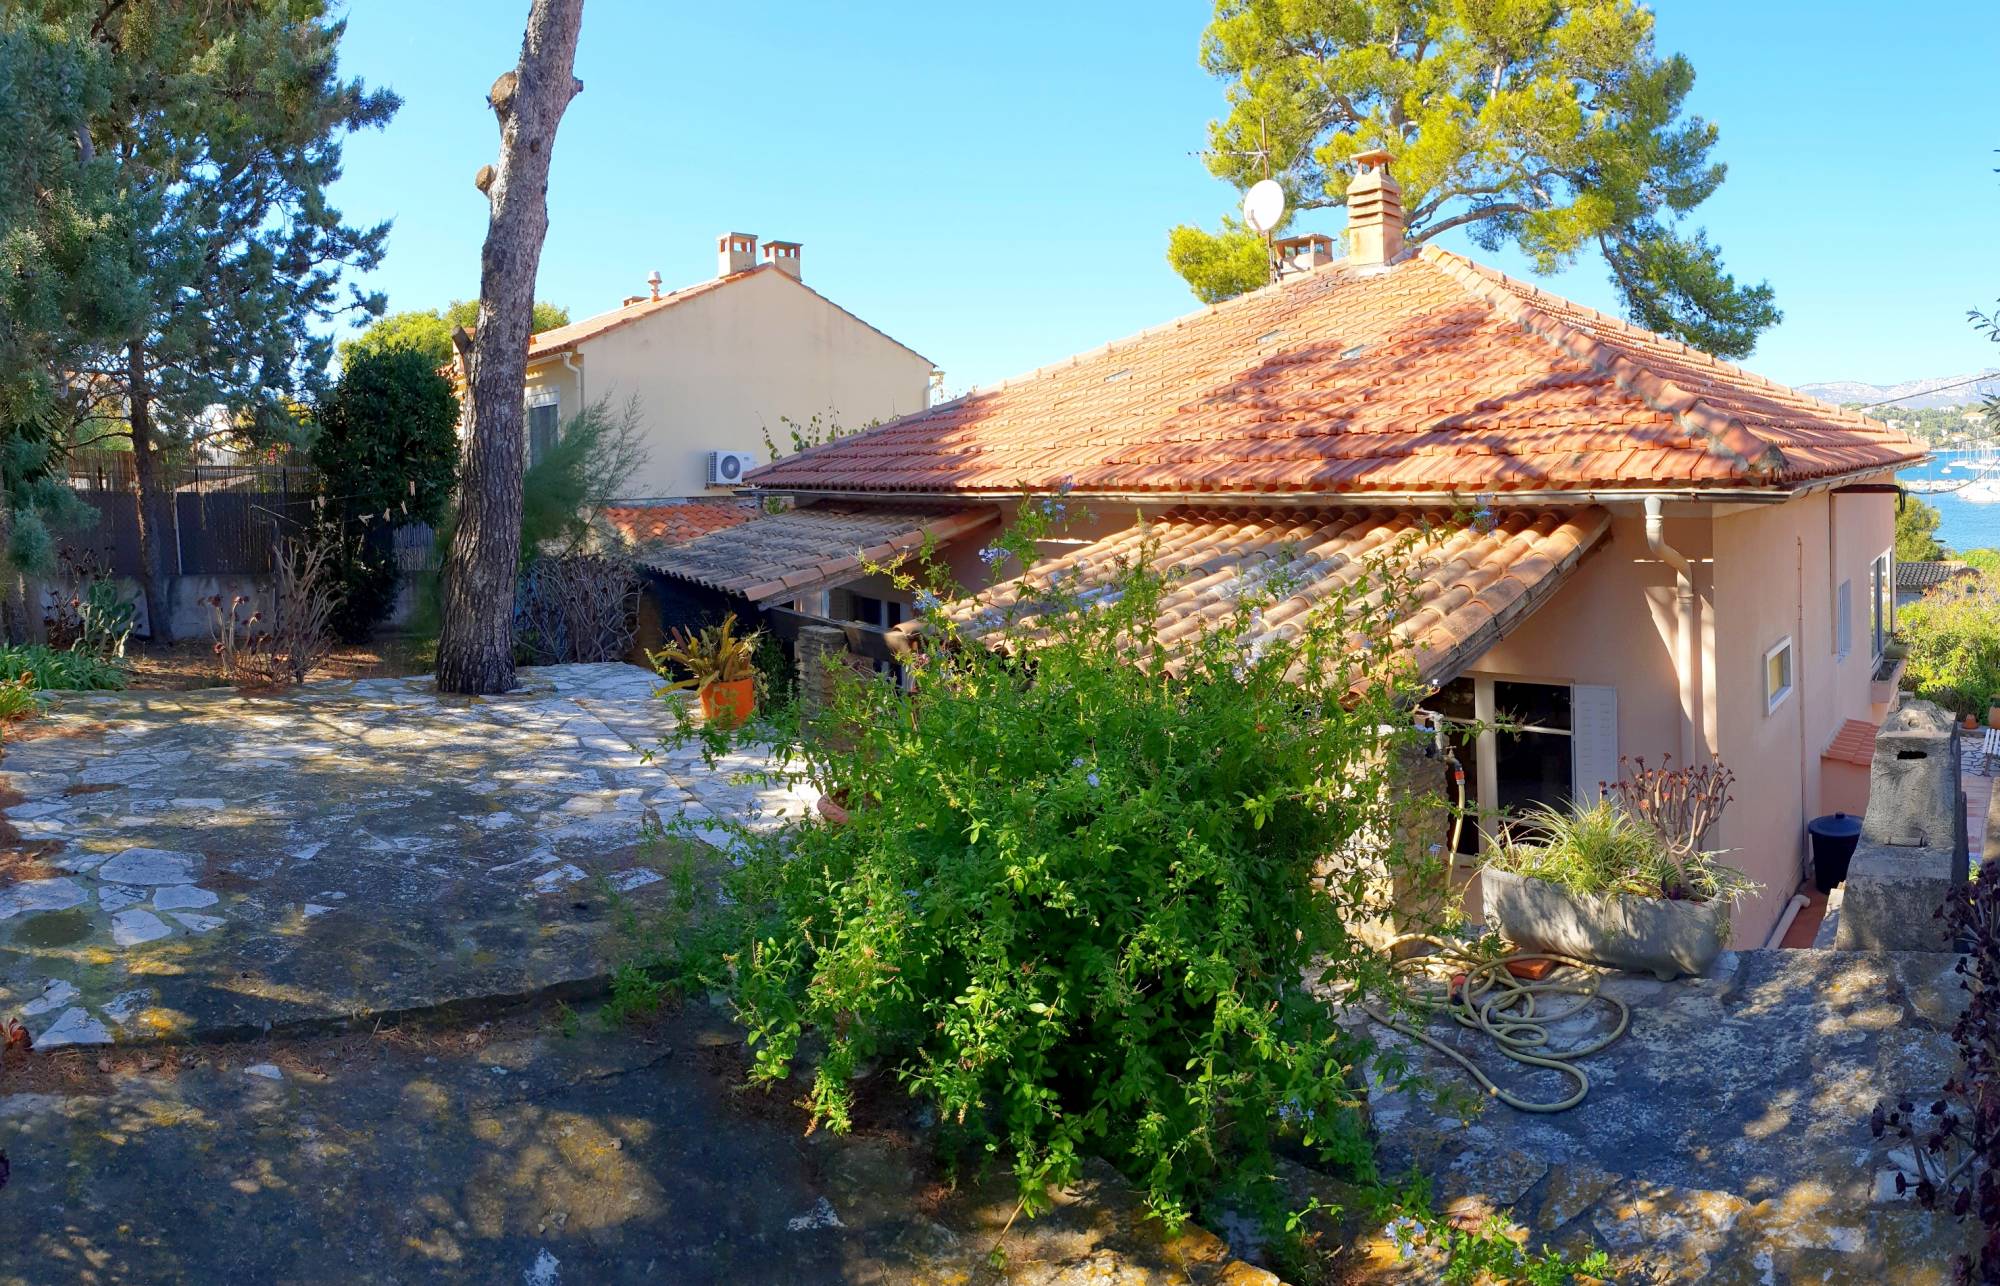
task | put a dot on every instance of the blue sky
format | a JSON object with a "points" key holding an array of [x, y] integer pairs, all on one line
{"points": [[992, 184]]}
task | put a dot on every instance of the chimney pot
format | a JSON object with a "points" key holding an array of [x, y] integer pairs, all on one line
{"points": [[653, 282], [735, 252], [1374, 211], [1302, 253], [785, 254]]}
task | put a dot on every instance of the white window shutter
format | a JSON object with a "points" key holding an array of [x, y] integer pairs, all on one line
{"points": [[1594, 743]]}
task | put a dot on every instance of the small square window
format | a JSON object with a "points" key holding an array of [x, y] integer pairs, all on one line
{"points": [[1777, 675]]}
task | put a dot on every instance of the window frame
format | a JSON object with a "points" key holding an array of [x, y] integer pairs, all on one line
{"points": [[1773, 699], [1882, 614]]}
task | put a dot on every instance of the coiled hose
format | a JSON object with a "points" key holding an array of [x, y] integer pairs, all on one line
{"points": [[1485, 996]]}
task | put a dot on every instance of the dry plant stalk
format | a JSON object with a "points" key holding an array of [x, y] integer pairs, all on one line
{"points": [[576, 608], [301, 635], [1680, 804]]}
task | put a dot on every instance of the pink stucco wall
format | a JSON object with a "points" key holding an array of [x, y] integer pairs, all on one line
{"points": [[1762, 572]]}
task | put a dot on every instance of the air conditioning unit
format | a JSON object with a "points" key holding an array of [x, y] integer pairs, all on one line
{"points": [[726, 468]]}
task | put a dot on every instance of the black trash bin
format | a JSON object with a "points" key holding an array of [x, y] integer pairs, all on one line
{"points": [[1833, 840]]}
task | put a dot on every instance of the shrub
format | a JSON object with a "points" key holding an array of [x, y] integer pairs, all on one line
{"points": [[1081, 887], [1643, 837], [575, 608], [565, 493], [1953, 1141], [308, 595], [1953, 640], [60, 669], [386, 447]]}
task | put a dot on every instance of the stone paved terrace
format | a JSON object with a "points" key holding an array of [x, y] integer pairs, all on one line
{"points": [[214, 862], [1725, 1138]]}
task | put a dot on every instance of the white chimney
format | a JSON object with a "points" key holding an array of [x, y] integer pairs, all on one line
{"points": [[735, 252], [785, 254]]}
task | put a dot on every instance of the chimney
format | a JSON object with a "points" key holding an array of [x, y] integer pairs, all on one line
{"points": [[735, 252], [653, 282], [1374, 212], [785, 254], [1300, 254]]}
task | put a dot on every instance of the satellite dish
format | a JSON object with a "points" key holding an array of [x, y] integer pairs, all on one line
{"points": [[1263, 205]]}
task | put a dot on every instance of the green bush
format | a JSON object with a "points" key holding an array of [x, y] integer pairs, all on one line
{"points": [[1953, 640], [386, 447], [60, 669], [1080, 888]]}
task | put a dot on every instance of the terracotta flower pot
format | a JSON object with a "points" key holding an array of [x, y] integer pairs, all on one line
{"points": [[1993, 715], [729, 705], [832, 809]]}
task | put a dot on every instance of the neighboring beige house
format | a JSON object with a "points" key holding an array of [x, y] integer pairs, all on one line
{"points": [[716, 364], [1671, 556]]}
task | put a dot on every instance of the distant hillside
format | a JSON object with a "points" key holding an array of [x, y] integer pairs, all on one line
{"points": [[1948, 390]]}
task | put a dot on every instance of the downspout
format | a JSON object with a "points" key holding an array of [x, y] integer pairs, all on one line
{"points": [[569, 364], [1686, 636]]}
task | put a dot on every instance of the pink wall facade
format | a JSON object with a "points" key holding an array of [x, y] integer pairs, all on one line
{"points": [[1762, 573]]}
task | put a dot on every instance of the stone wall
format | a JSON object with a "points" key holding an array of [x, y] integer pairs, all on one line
{"points": [[1912, 853]]}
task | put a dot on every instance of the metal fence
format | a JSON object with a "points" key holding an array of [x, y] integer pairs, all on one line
{"points": [[226, 517]]}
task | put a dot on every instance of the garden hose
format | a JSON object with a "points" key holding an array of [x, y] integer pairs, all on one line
{"points": [[1485, 996]]}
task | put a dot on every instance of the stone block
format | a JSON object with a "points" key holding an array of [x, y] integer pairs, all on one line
{"points": [[1913, 782], [1891, 899]]}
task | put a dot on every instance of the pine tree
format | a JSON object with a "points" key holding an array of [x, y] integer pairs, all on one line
{"points": [[202, 160], [476, 641], [1548, 124]]}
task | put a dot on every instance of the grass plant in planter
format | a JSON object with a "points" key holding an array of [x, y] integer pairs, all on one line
{"points": [[721, 669], [1625, 881]]}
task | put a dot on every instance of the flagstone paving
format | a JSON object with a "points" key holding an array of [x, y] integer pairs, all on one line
{"points": [[220, 862]]}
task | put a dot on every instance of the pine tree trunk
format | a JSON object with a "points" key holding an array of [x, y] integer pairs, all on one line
{"points": [[156, 512], [476, 641]]}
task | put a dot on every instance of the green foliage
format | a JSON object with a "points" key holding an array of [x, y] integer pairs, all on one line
{"points": [[1605, 848], [386, 439], [60, 669], [712, 654], [1079, 886], [386, 446], [427, 331], [106, 619], [1219, 265], [18, 700], [1916, 531], [565, 493], [1494, 1251], [1552, 125], [1984, 561], [1952, 636], [1937, 425]]}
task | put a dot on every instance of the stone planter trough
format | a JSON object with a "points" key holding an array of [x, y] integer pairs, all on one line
{"points": [[1646, 935]]}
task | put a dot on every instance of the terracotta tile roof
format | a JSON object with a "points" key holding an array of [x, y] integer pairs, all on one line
{"points": [[1916, 577], [1474, 585], [1853, 744], [1433, 375], [673, 521], [811, 548]]}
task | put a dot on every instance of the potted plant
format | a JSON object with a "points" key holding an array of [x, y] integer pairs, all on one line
{"points": [[1622, 882], [720, 670], [1993, 711]]}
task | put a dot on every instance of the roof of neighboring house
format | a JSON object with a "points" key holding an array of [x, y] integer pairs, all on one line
{"points": [[1916, 577], [548, 343], [1431, 375], [1473, 583], [671, 522], [1853, 744], [806, 549]]}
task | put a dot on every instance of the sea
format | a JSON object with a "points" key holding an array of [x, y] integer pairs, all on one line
{"points": [[1969, 510]]}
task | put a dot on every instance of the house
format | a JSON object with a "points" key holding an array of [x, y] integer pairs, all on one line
{"points": [[713, 367], [1672, 557], [1916, 579]]}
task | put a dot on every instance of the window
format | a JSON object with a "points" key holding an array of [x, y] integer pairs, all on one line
{"points": [[544, 415], [1843, 620], [1777, 674], [1882, 603], [1541, 744]]}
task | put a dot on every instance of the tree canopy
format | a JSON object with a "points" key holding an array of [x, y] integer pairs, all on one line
{"points": [[428, 330], [1916, 532], [1549, 124]]}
